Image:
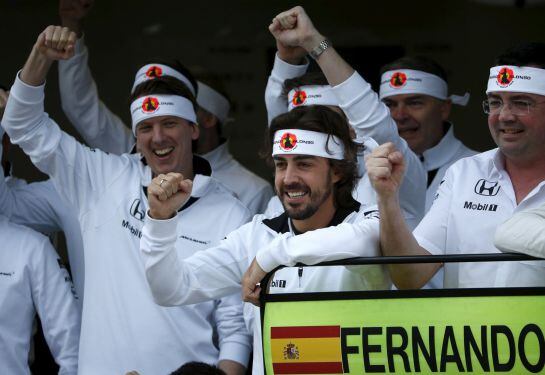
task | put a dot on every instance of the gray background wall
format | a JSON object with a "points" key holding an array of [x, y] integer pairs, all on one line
{"points": [[231, 38]]}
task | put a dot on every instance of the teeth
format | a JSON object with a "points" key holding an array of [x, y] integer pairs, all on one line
{"points": [[511, 131], [163, 151], [296, 194]]}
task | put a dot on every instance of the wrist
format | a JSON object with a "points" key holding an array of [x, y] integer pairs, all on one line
{"points": [[312, 41], [160, 215], [36, 67]]}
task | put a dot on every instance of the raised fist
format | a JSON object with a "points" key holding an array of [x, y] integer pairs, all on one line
{"points": [[56, 43], [167, 194], [385, 167], [293, 28]]}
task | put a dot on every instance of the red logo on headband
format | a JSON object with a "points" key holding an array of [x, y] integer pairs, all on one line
{"points": [[398, 80], [299, 98], [288, 141], [150, 104], [154, 72], [505, 76]]}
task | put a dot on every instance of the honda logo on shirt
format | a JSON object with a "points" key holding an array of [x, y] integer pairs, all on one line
{"points": [[487, 188], [137, 211]]}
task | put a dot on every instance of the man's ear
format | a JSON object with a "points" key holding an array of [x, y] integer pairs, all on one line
{"points": [[206, 119], [336, 175], [445, 109]]}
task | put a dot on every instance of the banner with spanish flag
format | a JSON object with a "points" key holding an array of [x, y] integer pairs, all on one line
{"points": [[472, 331], [306, 350]]}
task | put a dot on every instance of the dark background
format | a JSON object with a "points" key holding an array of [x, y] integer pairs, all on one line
{"points": [[231, 39]]}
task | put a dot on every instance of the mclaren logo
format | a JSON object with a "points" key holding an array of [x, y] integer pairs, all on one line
{"points": [[487, 188], [278, 284]]}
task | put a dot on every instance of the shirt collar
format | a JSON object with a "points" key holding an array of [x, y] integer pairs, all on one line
{"points": [[218, 156], [443, 152], [280, 224]]}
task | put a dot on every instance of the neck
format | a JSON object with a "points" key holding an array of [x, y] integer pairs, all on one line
{"points": [[209, 140], [525, 175], [320, 219]]}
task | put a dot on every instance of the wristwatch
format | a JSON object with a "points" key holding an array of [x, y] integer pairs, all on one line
{"points": [[319, 49]]}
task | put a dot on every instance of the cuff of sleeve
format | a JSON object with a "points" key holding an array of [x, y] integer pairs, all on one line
{"points": [[235, 351], [271, 257], [160, 228], [27, 93], [283, 70], [80, 45], [352, 88], [432, 249]]}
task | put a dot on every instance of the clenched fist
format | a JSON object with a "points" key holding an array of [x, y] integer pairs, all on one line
{"points": [[167, 193]]}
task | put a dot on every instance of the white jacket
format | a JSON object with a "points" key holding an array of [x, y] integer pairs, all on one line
{"points": [[370, 118], [33, 279], [122, 328], [219, 270]]}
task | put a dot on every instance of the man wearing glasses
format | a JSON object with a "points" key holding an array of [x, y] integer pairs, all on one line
{"points": [[478, 193]]}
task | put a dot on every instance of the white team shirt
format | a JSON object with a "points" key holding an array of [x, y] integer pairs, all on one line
{"points": [[253, 191], [370, 118], [32, 279], [475, 197], [122, 328], [441, 156], [219, 270], [40, 207]]}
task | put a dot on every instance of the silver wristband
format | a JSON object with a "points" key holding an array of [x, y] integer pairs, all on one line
{"points": [[320, 48]]}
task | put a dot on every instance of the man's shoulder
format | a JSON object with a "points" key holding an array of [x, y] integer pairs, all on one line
{"points": [[474, 163], [214, 193], [236, 174]]}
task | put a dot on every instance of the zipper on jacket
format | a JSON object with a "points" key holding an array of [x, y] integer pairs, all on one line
{"points": [[300, 273]]}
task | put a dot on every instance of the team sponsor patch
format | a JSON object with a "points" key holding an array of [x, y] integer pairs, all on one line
{"points": [[487, 188]]}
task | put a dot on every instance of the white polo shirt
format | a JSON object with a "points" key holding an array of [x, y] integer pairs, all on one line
{"points": [[475, 197], [32, 279]]}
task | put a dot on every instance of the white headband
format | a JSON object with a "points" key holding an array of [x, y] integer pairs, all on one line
{"points": [[305, 142], [152, 71], [212, 101], [311, 95], [516, 79], [150, 106], [408, 81]]}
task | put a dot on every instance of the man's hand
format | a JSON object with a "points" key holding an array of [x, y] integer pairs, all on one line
{"points": [[72, 13], [166, 194], [250, 288], [292, 29], [385, 167], [54, 43]]}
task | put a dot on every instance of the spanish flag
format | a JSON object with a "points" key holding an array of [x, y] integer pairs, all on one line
{"points": [[306, 350]]}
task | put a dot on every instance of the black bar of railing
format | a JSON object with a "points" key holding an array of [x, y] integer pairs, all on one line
{"points": [[451, 258]]}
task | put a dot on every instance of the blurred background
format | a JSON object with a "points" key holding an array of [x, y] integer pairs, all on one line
{"points": [[231, 39]]}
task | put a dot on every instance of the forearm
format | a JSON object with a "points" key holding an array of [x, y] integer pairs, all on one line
{"points": [[232, 367], [35, 69], [397, 240]]}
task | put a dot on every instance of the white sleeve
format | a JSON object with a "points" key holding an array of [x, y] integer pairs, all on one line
{"points": [[206, 275], [53, 297], [370, 117], [346, 240], [524, 233], [275, 102], [431, 233], [99, 127], [80, 174], [235, 342]]}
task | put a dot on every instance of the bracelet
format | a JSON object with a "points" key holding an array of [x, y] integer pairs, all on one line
{"points": [[319, 49]]}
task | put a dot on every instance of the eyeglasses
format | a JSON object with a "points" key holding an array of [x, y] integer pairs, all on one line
{"points": [[516, 107]]}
